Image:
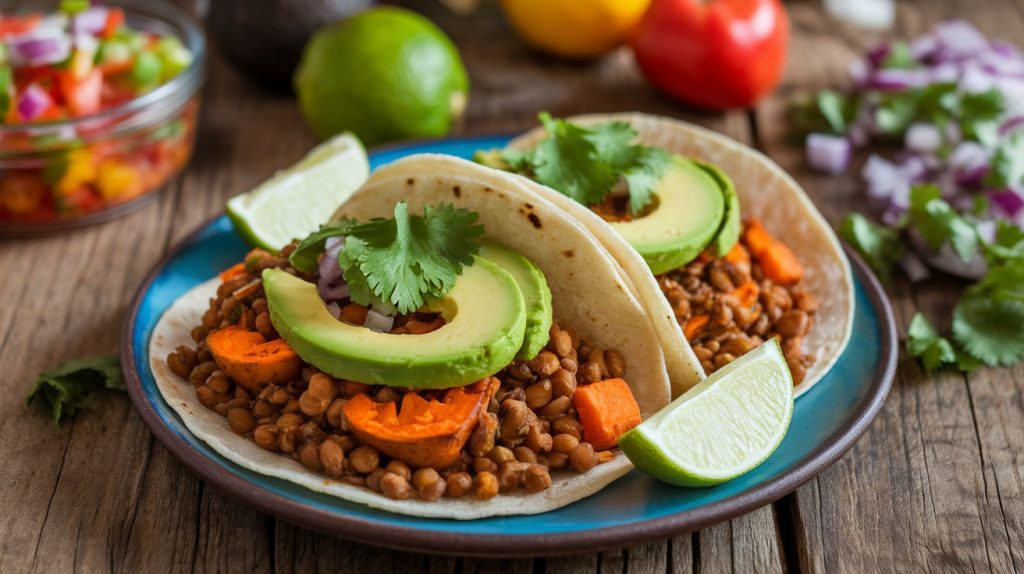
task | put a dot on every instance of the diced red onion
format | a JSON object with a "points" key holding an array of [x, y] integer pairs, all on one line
{"points": [[334, 244], [884, 179], [39, 47], [1005, 49], [331, 293], [946, 259], [334, 309], [879, 53], [33, 102], [898, 79], [1011, 125], [914, 268], [329, 269], [828, 154], [974, 78], [90, 21], [859, 72], [377, 321], [960, 38], [970, 177], [922, 137], [86, 43], [944, 73], [923, 47], [1008, 201]]}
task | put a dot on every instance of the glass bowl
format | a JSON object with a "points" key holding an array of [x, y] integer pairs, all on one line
{"points": [[70, 173]]}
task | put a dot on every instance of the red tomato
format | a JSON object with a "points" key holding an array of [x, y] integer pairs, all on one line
{"points": [[14, 25], [715, 54], [82, 96], [115, 17]]}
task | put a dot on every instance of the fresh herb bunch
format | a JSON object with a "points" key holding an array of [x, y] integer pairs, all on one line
{"points": [[587, 163], [396, 265], [987, 319]]}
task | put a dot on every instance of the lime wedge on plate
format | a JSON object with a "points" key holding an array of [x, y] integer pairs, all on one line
{"points": [[721, 428], [294, 202]]}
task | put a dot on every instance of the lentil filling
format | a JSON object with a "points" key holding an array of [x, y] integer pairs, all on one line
{"points": [[727, 307], [528, 430]]}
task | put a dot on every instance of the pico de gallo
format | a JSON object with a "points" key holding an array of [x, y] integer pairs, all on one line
{"points": [[62, 155]]}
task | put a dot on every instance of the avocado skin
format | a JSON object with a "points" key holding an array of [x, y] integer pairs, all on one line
{"points": [[729, 233], [358, 354], [536, 294], [265, 38]]}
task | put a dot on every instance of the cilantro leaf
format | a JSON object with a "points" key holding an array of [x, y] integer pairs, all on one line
{"points": [[304, 258], [835, 109], [565, 161], [643, 177], [613, 142], [989, 329], [1008, 163], [979, 114], [925, 343], [899, 57], [1008, 244], [404, 261], [938, 223], [64, 390], [879, 245]]}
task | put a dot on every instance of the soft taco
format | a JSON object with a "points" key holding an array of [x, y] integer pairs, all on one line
{"points": [[722, 245], [450, 345]]}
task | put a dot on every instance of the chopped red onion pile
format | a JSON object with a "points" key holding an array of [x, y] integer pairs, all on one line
{"points": [[954, 100], [333, 289]]}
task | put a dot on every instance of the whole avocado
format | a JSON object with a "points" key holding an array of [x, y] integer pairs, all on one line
{"points": [[265, 38]]}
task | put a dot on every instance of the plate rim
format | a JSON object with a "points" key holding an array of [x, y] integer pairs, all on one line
{"points": [[514, 545]]}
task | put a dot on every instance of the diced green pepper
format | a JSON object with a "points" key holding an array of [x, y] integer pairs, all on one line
{"points": [[114, 50], [176, 57], [6, 85], [73, 6], [147, 69]]}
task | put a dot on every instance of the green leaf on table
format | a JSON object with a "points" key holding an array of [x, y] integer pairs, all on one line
{"points": [[924, 343], [836, 110], [899, 57], [880, 246], [62, 391], [979, 114], [938, 223], [1008, 163], [1008, 244], [989, 329]]}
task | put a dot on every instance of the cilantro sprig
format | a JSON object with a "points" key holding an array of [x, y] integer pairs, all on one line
{"points": [[986, 321], [587, 163], [396, 265], [62, 391]]}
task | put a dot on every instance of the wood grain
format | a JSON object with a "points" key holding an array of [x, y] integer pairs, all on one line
{"points": [[935, 484]]}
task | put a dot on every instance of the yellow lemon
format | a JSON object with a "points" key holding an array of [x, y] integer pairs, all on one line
{"points": [[575, 28]]}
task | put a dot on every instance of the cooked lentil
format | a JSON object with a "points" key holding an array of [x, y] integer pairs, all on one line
{"points": [[708, 287]]}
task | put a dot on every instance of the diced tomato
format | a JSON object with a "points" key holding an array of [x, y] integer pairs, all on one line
{"points": [[115, 67], [14, 25], [82, 96], [115, 17]]}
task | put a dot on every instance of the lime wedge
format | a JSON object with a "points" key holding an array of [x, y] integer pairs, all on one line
{"points": [[295, 201], [721, 428]]}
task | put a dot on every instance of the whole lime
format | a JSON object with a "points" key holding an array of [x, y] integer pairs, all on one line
{"points": [[386, 73]]}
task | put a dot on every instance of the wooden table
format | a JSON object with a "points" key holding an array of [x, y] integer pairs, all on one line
{"points": [[937, 483]]}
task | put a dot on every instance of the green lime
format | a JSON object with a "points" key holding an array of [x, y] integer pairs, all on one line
{"points": [[386, 73], [294, 202], [721, 428]]}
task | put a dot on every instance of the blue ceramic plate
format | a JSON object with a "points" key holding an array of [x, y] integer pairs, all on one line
{"points": [[826, 422]]}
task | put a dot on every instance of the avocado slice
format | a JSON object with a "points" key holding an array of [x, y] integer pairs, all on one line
{"points": [[687, 217], [536, 294], [729, 233], [486, 323]]}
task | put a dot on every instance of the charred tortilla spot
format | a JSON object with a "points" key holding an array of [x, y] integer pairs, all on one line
{"points": [[534, 220], [569, 253], [529, 206], [410, 181], [457, 191], [488, 190]]}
